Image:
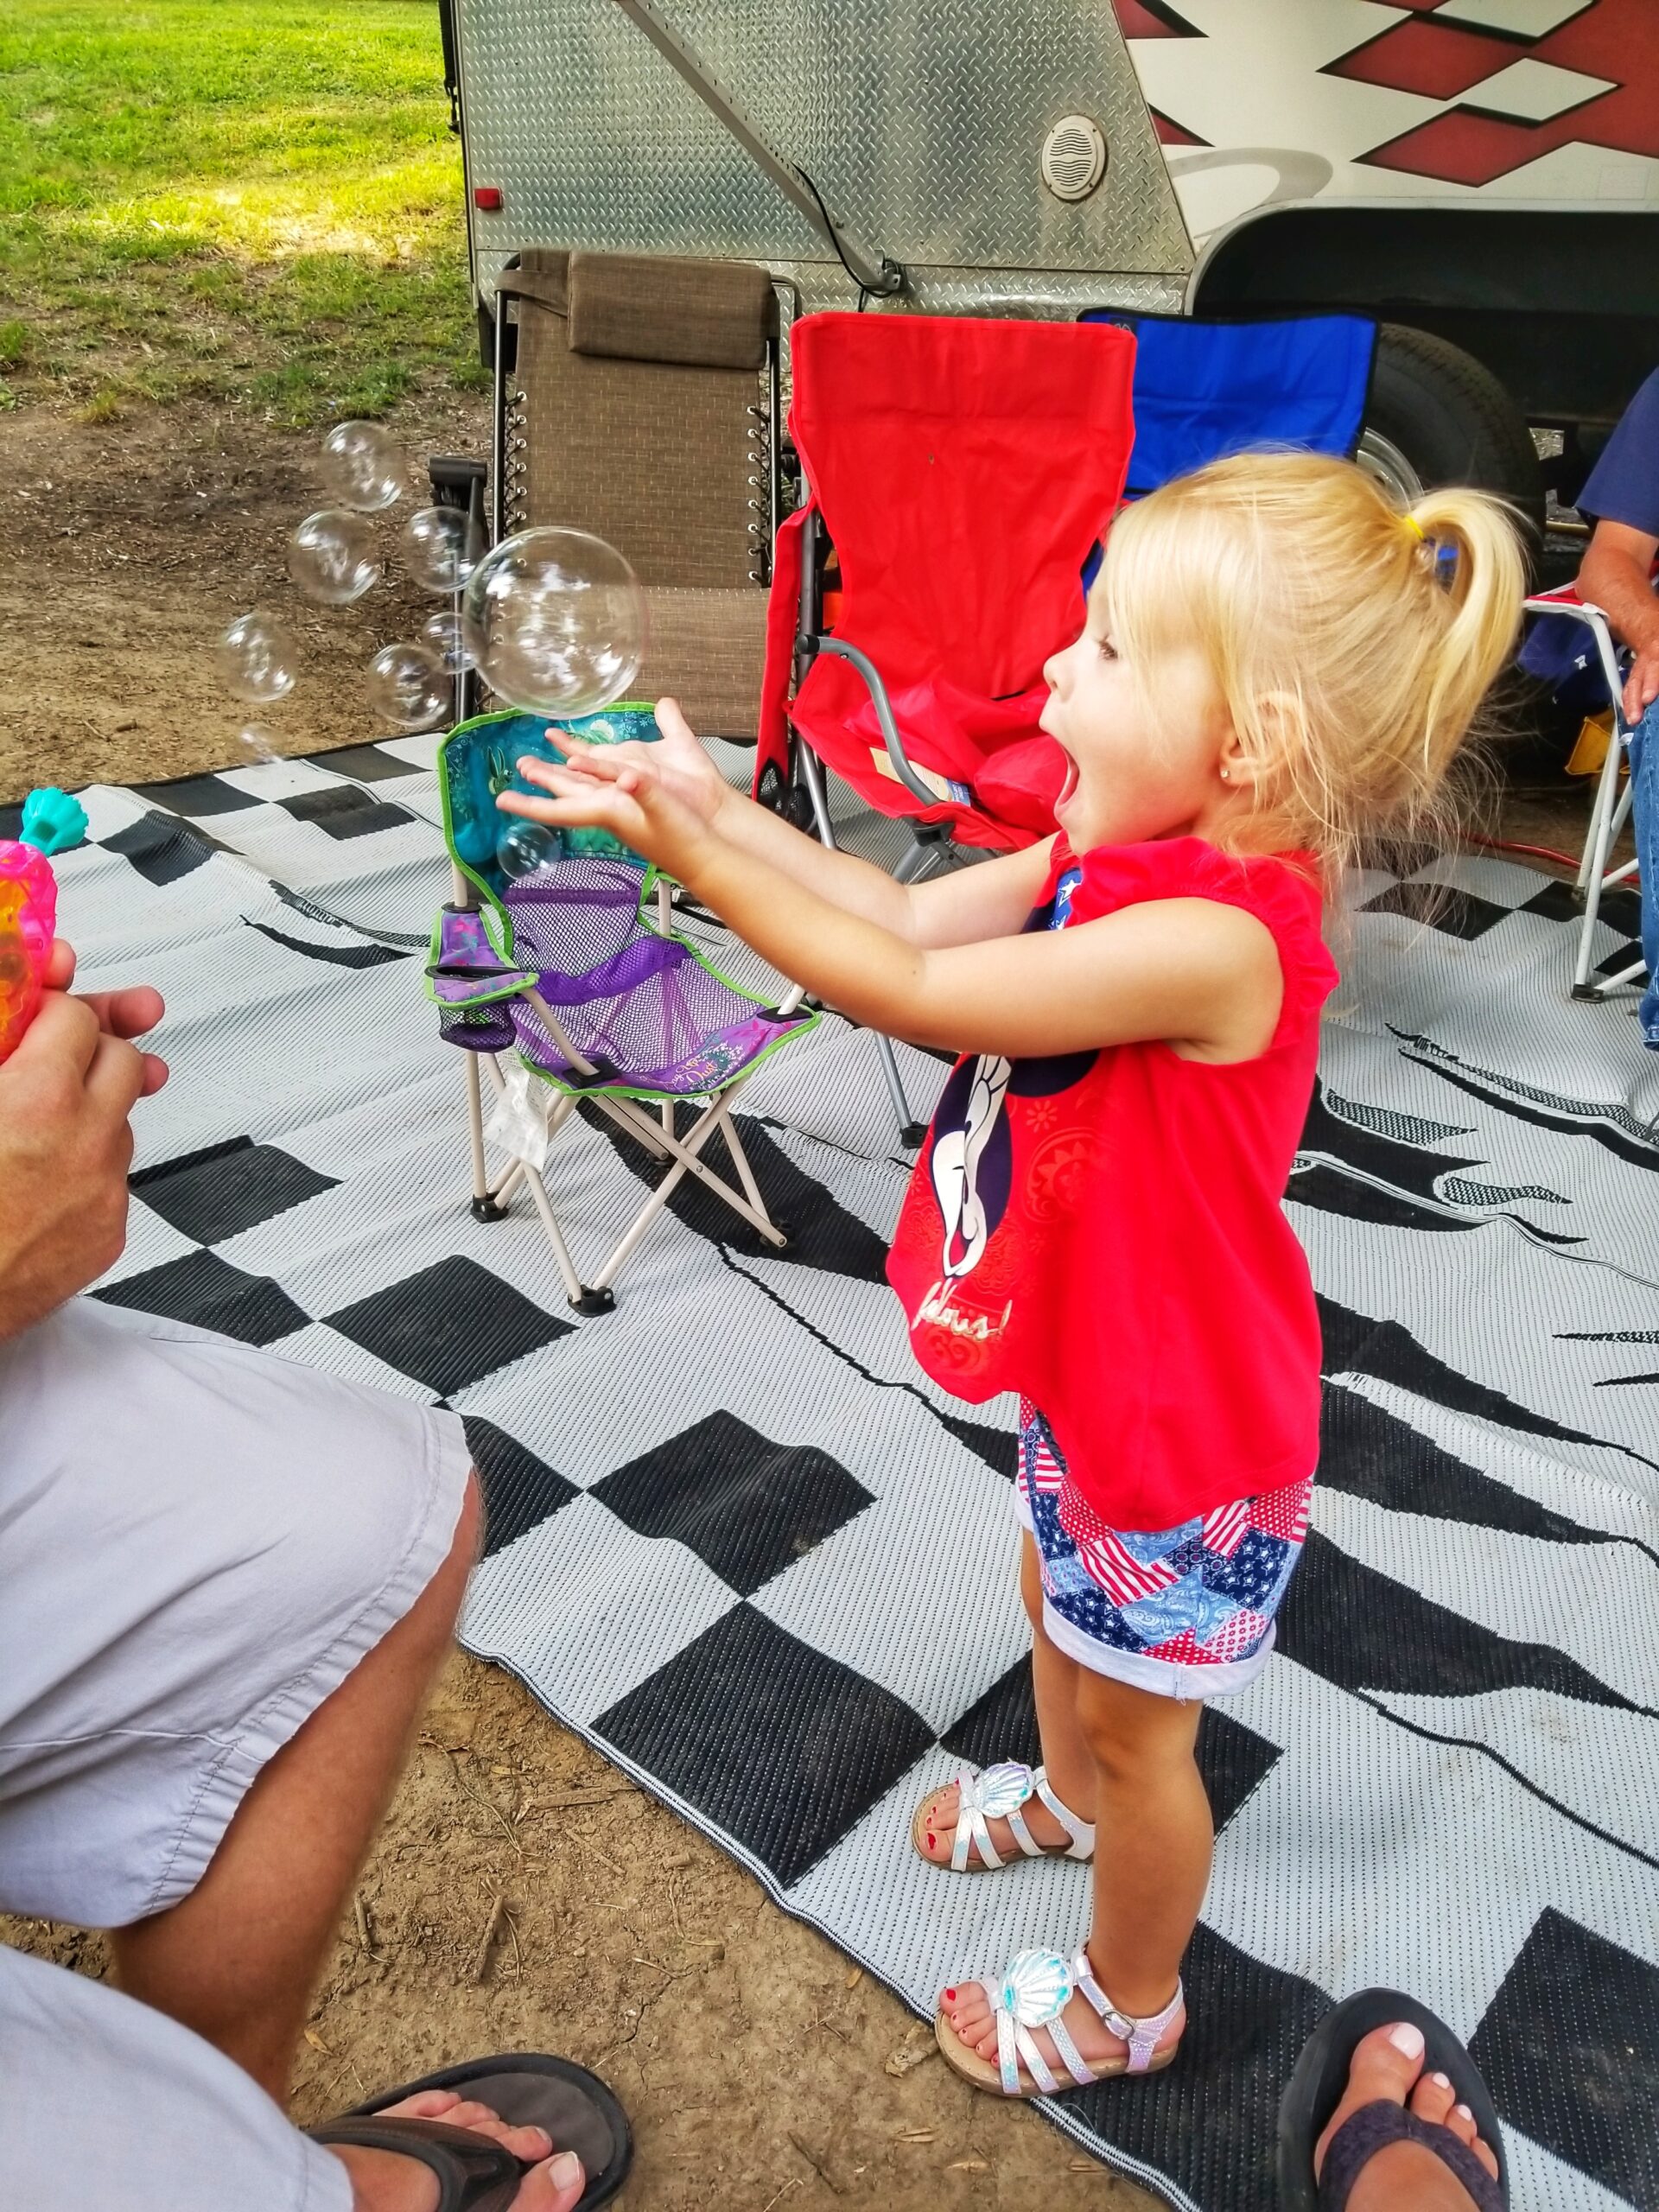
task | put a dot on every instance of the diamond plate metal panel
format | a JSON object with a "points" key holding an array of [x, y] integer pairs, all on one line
{"points": [[920, 120]]}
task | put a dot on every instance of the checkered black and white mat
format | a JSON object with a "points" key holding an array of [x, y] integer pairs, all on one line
{"points": [[740, 1542]]}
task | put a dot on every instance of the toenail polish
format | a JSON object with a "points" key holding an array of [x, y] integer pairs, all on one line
{"points": [[929, 1843], [950, 1996], [1463, 2111], [1441, 2080], [1408, 2040], [565, 2170]]}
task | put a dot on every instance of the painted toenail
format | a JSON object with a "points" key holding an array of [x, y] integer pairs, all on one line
{"points": [[1463, 2111], [950, 1996], [1408, 2040], [930, 1842], [1441, 2080], [565, 2170]]}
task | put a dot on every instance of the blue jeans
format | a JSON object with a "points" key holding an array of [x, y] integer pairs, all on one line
{"points": [[1645, 811]]}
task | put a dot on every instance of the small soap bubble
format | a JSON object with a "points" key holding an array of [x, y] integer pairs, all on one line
{"points": [[446, 633], [524, 847], [408, 687], [330, 556], [257, 659], [256, 744], [557, 620], [442, 546], [363, 465]]}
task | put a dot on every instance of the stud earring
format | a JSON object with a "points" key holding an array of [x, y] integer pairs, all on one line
{"points": [[1226, 775]]}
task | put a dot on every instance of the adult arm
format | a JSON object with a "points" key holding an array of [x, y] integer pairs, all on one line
{"points": [[1615, 578], [66, 1144], [1200, 975]]}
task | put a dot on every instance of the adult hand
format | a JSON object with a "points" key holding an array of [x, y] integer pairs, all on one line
{"points": [[65, 1143], [1642, 684]]}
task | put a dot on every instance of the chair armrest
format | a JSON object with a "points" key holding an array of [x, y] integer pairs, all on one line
{"points": [[878, 691], [1595, 622]]}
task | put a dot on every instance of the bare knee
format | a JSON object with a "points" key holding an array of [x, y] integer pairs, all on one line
{"points": [[1133, 1735]]}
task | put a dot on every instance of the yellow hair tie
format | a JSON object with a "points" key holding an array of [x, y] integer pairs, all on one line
{"points": [[1415, 528]]}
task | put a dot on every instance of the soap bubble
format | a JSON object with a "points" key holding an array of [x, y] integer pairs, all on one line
{"points": [[524, 847], [407, 686], [257, 659], [363, 465], [330, 556], [256, 744], [557, 621], [442, 546], [446, 633]]}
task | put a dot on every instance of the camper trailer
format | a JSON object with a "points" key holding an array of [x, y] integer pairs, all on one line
{"points": [[1481, 175]]}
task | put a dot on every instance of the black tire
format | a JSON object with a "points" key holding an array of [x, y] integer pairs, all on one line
{"points": [[1451, 419]]}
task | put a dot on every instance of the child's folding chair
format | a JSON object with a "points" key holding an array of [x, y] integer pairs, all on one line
{"points": [[559, 974], [1612, 805]]}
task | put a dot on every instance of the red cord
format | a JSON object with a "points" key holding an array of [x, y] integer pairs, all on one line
{"points": [[1534, 852]]}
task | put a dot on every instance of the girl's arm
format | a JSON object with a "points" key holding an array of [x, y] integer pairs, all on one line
{"points": [[1202, 977], [988, 899]]}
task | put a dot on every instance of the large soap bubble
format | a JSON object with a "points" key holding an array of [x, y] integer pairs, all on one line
{"points": [[446, 633], [363, 465], [442, 546], [526, 847], [257, 659], [330, 556], [557, 621], [407, 686]]}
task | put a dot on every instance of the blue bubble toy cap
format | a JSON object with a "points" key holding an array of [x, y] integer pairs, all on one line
{"points": [[52, 822]]}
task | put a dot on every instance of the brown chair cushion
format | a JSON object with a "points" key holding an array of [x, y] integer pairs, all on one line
{"points": [[707, 314], [707, 649]]}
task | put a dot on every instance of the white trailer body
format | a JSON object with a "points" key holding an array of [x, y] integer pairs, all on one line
{"points": [[1483, 173]]}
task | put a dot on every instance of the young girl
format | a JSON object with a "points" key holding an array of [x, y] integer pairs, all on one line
{"points": [[1276, 662]]}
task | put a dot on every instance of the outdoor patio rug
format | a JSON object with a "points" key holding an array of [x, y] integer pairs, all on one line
{"points": [[740, 1543]]}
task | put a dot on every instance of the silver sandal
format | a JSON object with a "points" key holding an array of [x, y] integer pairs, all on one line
{"points": [[997, 1794], [1034, 1991]]}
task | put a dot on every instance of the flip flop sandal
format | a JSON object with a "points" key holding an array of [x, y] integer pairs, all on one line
{"points": [[1034, 1992], [476, 2174], [1321, 2082], [997, 1794]]}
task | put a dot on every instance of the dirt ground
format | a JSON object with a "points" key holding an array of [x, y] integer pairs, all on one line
{"points": [[762, 2069]]}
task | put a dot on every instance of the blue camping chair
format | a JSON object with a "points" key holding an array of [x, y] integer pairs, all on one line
{"points": [[1205, 390]]}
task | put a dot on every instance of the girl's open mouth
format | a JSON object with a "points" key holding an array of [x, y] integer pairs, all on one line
{"points": [[1071, 783]]}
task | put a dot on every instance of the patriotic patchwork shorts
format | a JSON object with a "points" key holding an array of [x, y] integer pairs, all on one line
{"points": [[1186, 1612]]}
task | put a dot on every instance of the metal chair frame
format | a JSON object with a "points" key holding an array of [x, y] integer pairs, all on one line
{"points": [[1611, 808]]}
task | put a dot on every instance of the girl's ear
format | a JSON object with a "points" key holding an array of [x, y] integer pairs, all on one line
{"points": [[1278, 736]]}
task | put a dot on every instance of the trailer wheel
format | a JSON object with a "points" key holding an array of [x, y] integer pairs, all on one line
{"points": [[1435, 416]]}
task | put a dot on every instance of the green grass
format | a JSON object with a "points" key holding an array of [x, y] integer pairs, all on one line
{"points": [[249, 201]]}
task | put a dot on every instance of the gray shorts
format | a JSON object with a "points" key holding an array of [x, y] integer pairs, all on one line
{"points": [[198, 1543]]}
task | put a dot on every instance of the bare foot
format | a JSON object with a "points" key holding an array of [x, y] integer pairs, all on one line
{"points": [[383, 2182], [1387, 2066], [969, 2013], [938, 1824]]}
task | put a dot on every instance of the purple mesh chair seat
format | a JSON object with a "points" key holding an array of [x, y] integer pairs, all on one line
{"points": [[647, 1012]]}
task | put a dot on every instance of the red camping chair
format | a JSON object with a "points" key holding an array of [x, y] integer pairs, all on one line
{"points": [[965, 470]]}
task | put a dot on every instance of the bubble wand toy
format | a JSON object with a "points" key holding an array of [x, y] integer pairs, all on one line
{"points": [[52, 823]]}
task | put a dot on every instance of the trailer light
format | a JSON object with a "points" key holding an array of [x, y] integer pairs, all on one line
{"points": [[486, 197]]}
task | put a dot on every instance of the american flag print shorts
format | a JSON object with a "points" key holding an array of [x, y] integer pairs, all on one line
{"points": [[1188, 1611]]}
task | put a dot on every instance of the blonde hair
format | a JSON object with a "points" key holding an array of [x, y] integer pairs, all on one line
{"points": [[1352, 643]]}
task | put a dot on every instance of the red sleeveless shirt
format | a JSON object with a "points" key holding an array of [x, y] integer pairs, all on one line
{"points": [[1103, 1231]]}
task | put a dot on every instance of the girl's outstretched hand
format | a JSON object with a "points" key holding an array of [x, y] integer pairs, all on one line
{"points": [[657, 808]]}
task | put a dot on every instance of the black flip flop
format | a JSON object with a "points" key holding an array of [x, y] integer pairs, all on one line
{"points": [[528, 2089], [1321, 2082]]}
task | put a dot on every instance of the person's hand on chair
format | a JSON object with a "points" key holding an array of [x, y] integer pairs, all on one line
{"points": [[65, 1143]]}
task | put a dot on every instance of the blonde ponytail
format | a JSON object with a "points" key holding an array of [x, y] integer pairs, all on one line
{"points": [[1352, 644]]}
